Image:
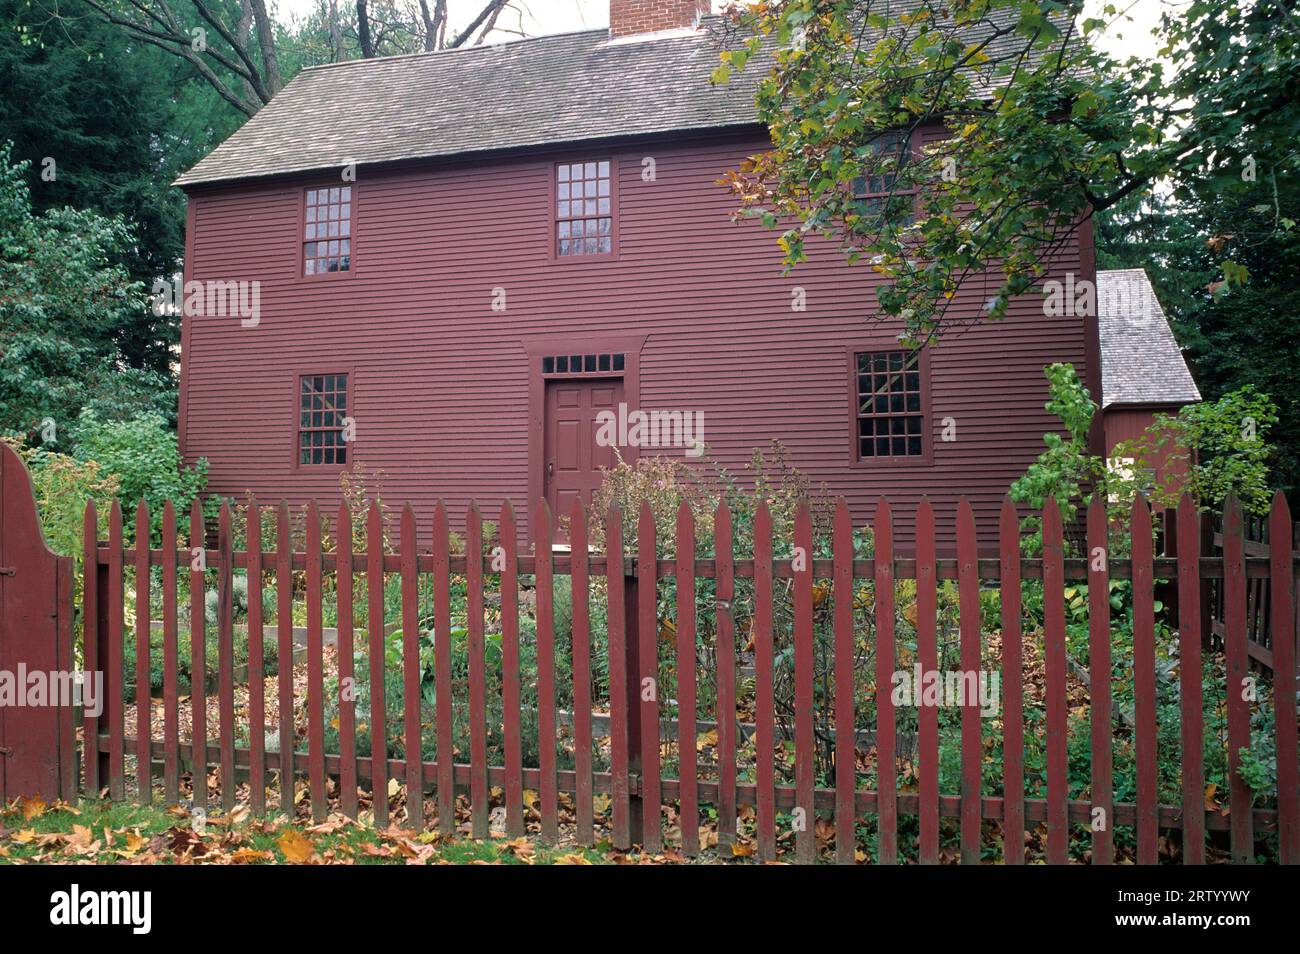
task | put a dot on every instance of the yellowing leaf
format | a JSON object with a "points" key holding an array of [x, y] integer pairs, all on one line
{"points": [[296, 847]]}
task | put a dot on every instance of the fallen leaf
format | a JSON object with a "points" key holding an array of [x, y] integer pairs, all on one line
{"points": [[246, 856], [296, 847]]}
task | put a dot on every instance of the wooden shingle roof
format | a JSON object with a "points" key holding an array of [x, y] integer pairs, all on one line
{"points": [[546, 90], [1141, 363], [560, 88]]}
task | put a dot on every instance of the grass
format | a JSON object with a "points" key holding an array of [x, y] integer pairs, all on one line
{"points": [[104, 832]]}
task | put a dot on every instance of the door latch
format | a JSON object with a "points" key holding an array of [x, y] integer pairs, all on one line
{"points": [[8, 571], [5, 750]]}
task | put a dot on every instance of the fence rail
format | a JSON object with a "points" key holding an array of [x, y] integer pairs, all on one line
{"points": [[802, 619]]}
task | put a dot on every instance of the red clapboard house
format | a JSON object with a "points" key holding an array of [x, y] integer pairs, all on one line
{"points": [[464, 257]]}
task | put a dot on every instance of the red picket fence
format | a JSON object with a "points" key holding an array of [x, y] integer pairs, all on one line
{"points": [[1258, 532], [655, 610]]}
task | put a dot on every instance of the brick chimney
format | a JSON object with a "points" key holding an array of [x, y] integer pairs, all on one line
{"points": [[627, 17]]}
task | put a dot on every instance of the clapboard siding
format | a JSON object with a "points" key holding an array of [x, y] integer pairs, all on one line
{"points": [[440, 381]]}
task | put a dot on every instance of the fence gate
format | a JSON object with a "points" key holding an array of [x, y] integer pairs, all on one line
{"points": [[37, 744]]}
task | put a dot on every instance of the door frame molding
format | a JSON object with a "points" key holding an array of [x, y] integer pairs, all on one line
{"points": [[535, 348]]}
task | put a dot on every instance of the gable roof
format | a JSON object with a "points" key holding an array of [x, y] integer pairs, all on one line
{"points": [[567, 87], [545, 90], [1141, 362]]}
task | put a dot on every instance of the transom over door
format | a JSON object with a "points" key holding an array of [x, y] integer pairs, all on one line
{"points": [[572, 459]]}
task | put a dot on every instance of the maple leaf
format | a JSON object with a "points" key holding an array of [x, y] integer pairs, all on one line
{"points": [[32, 807], [296, 847]]}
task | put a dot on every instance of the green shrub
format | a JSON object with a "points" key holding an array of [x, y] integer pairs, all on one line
{"points": [[143, 455]]}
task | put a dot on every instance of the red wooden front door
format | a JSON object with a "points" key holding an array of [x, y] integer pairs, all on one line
{"points": [[572, 458]]}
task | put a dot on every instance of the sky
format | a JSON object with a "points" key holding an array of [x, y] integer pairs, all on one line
{"points": [[1128, 35]]}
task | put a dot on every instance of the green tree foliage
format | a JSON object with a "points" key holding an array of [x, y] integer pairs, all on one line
{"points": [[106, 126], [65, 304], [1044, 130]]}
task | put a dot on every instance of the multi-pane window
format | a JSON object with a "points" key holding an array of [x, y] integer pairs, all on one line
{"points": [[327, 231], [584, 217], [886, 182], [322, 414], [582, 363], [889, 404]]}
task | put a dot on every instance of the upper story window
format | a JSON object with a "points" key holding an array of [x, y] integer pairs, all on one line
{"points": [[890, 405], [584, 216], [327, 231], [322, 418], [887, 182]]}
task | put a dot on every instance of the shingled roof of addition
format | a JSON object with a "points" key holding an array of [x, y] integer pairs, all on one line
{"points": [[1141, 362], [566, 87]]}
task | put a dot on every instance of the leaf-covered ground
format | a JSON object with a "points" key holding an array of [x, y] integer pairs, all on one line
{"points": [[103, 832]]}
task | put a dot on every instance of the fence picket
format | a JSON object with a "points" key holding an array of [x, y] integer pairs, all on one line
{"points": [[90, 616], [846, 748], [805, 843], [1145, 729], [1282, 605], [548, 787], [764, 693], [1189, 680], [442, 671], [687, 713], [478, 775], [143, 700], [1013, 720], [1058, 832], [620, 807], [377, 649], [1099, 676], [256, 660], [583, 784], [725, 655], [284, 652], [345, 702], [648, 647], [886, 748], [171, 697], [412, 734], [226, 655], [1240, 796], [198, 662], [315, 667], [505, 558], [116, 690], [927, 652], [972, 748]]}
